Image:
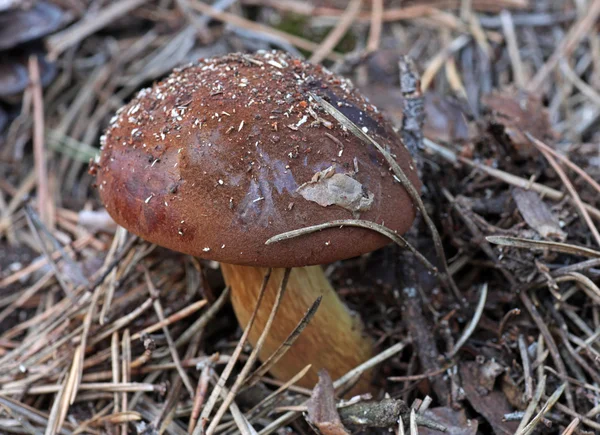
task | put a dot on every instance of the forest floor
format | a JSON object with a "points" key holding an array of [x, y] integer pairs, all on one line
{"points": [[510, 164]]}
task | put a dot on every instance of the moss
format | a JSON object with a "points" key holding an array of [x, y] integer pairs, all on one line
{"points": [[299, 25]]}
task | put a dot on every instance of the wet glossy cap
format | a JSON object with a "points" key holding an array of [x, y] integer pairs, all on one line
{"points": [[226, 153]]}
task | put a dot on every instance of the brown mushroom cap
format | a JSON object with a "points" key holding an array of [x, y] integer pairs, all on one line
{"points": [[219, 157]]}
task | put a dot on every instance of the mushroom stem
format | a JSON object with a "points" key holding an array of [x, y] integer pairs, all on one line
{"points": [[333, 340]]}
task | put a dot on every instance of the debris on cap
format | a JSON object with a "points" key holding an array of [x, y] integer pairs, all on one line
{"points": [[329, 187]]}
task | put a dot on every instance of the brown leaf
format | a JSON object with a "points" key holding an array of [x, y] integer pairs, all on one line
{"points": [[537, 214], [322, 413], [492, 405], [445, 120], [22, 25], [513, 393], [517, 112], [488, 372]]}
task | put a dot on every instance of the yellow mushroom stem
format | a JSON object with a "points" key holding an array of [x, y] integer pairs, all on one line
{"points": [[333, 340]]}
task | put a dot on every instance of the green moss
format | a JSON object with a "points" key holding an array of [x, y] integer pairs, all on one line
{"points": [[298, 25]]}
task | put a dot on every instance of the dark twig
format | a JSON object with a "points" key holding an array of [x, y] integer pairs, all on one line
{"points": [[384, 413]]}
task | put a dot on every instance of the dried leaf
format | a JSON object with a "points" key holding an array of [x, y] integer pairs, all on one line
{"points": [[22, 25], [446, 120], [322, 413], [488, 372], [517, 112], [537, 214], [330, 188], [491, 404], [513, 392]]}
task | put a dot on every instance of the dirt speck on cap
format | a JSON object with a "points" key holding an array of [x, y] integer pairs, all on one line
{"points": [[328, 188]]}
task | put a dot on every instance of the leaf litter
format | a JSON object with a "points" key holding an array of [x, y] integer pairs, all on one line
{"points": [[511, 165]]}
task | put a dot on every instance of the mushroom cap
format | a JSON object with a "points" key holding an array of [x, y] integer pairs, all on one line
{"points": [[228, 152]]}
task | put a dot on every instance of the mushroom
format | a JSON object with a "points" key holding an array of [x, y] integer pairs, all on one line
{"points": [[226, 153]]}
